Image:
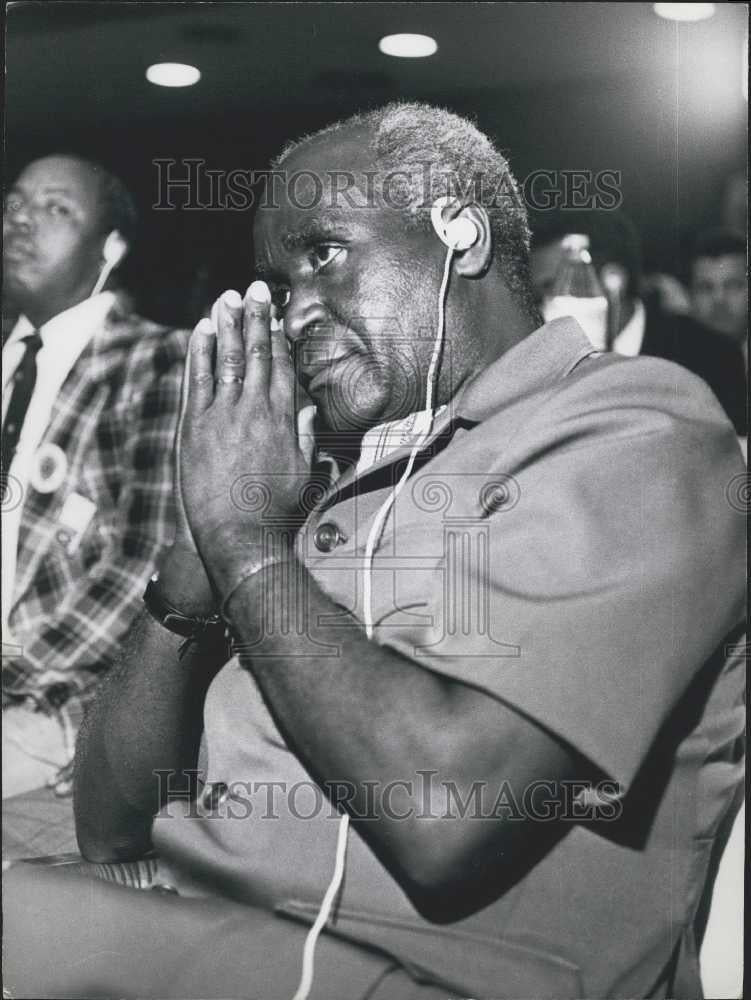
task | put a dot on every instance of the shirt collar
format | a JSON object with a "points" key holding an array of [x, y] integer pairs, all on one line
{"points": [[631, 337], [379, 442], [84, 318]]}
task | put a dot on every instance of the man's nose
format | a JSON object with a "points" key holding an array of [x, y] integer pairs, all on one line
{"points": [[303, 312], [20, 219]]}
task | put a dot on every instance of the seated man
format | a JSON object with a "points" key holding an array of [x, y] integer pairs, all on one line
{"points": [[643, 325], [91, 396], [484, 716]]}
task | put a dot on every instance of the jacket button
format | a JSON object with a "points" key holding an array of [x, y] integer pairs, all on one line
{"points": [[327, 536]]}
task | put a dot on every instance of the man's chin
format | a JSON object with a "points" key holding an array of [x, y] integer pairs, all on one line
{"points": [[17, 289], [339, 415]]}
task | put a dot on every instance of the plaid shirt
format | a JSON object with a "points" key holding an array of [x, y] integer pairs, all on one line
{"points": [[75, 596]]}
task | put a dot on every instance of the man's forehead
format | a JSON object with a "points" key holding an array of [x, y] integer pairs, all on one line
{"points": [[322, 172], [287, 221], [347, 149], [60, 173], [322, 187]]}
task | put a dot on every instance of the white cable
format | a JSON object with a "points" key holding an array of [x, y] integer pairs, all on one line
{"points": [[106, 271], [308, 954], [374, 536], [69, 736], [376, 530]]}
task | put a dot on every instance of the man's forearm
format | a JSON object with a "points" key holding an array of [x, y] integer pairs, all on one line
{"points": [[369, 724], [146, 718], [354, 711]]}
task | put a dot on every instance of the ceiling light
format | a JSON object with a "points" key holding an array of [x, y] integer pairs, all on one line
{"points": [[408, 46], [685, 11], [173, 75]]}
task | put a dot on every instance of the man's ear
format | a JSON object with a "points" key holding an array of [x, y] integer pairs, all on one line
{"points": [[114, 249], [475, 260]]}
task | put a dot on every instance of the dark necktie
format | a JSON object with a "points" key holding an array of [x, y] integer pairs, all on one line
{"points": [[24, 381]]}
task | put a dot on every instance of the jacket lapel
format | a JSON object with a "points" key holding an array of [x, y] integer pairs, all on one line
{"points": [[79, 404]]}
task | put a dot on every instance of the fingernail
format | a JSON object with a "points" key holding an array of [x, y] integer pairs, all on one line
{"points": [[276, 325], [232, 299], [205, 326], [259, 292]]}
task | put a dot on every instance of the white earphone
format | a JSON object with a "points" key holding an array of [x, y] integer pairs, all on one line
{"points": [[459, 234], [113, 251]]}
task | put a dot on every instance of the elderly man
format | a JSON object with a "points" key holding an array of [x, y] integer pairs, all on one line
{"points": [[91, 396], [502, 646]]}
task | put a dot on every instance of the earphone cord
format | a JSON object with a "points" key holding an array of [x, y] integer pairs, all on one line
{"points": [[101, 281], [376, 531], [374, 537]]}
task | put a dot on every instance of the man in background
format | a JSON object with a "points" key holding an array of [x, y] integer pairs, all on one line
{"points": [[90, 403], [719, 285], [644, 326]]}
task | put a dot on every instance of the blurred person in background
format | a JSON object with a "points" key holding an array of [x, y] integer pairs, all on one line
{"points": [[91, 396], [719, 284], [645, 325]]}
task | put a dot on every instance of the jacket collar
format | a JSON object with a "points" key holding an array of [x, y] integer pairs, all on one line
{"points": [[538, 361]]}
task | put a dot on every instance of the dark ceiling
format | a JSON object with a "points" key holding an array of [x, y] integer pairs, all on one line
{"points": [[85, 62], [559, 85]]}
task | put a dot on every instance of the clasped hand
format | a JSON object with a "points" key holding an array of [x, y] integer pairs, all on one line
{"points": [[242, 470]]}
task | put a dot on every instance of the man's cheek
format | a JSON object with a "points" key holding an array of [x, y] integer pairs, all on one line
{"points": [[54, 255]]}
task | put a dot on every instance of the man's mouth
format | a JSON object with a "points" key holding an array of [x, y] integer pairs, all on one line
{"points": [[314, 376], [17, 251]]}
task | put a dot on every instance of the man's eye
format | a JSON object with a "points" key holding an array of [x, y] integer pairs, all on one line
{"points": [[325, 253], [57, 208]]}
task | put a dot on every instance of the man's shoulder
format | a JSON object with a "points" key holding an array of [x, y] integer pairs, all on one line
{"points": [[141, 340], [643, 382], [609, 396]]}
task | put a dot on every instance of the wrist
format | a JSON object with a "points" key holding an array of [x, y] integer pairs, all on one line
{"points": [[230, 554], [184, 583], [265, 572]]}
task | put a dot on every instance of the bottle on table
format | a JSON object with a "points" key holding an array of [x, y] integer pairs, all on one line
{"points": [[577, 291]]}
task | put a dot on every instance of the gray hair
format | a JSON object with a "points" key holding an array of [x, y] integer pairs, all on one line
{"points": [[436, 152]]}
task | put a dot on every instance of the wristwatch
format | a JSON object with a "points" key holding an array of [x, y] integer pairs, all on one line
{"points": [[192, 628]]}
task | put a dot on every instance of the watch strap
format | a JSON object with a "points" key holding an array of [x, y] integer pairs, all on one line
{"points": [[190, 627]]}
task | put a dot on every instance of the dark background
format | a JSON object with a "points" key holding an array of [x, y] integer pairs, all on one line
{"points": [[559, 86]]}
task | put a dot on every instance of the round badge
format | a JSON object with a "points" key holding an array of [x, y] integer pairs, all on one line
{"points": [[49, 469]]}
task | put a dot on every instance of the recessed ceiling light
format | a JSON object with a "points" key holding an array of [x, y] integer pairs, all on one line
{"points": [[685, 11], [173, 75], [408, 46]]}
